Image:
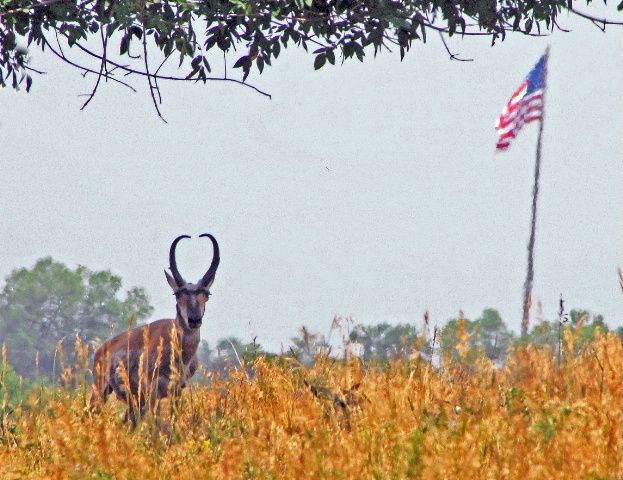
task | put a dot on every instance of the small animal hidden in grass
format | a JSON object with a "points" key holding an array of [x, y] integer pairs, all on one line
{"points": [[344, 400]]}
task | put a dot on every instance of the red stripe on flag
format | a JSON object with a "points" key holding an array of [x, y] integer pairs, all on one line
{"points": [[521, 109]]}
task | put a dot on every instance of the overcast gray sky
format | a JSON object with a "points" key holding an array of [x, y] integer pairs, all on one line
{"points": [[370, 190]]}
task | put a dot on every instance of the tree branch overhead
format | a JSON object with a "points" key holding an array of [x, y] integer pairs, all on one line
{"points": [[201, 32]]}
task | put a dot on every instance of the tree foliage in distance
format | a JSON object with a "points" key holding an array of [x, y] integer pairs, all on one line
{"points": [[487, 334], [50, 302], [582, 322], [385, 341], [306, 347], [229, 353], [111, 39]]}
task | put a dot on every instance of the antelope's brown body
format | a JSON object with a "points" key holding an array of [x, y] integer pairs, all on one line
{"points": [[155, 360]]}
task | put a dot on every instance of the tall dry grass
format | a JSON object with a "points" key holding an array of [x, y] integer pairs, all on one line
{"points": [[406, 419]]}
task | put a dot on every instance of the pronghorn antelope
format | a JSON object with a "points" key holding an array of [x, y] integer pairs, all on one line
{"points": [[150, 362]]}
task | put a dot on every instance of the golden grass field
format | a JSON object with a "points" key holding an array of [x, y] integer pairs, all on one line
{"points": [[534, 418]]}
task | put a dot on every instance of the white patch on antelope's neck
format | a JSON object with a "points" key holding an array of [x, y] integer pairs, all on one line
{"points": [[191, 337]]}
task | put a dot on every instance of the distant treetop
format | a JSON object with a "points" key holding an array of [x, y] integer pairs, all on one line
{"points": [[50, 305]]}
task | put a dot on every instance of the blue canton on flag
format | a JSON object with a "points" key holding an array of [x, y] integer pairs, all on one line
{"points": [[525, 106]]}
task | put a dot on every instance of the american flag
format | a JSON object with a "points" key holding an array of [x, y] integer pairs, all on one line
{"points": [[526, 105]]}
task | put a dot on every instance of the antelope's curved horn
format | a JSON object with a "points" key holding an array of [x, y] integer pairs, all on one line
{"points": [[216, 258], [173, 264]]}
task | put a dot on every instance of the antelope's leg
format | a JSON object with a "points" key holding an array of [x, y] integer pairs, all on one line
{"points": [[98, 397], [130, 415]]}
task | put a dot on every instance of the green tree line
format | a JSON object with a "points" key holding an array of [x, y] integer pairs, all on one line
{"points": [[46, 308]]}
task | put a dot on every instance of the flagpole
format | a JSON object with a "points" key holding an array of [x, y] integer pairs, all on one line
{"points": [[527, 299]]}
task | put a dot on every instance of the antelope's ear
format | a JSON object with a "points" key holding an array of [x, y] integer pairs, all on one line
{"points": [[171, 281]]}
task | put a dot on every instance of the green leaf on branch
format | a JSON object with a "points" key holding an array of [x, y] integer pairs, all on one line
{"points": [[321, 58], [124, 46], [245, 63], [242, 61], [206, 64], [137, 31], [330, 56]]}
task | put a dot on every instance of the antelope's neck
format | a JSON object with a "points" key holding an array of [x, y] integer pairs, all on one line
{"points": [[189, 339]]}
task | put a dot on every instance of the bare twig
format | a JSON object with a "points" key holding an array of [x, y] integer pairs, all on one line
{"points": [[598, 22], [560, 28], [149, 78], [102, 69], [163, 62], [452, 55], [130, 71], [85, 69], [26, 67]]}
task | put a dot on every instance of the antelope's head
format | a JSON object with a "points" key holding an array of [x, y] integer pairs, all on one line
{"points": [[191, 297]]}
